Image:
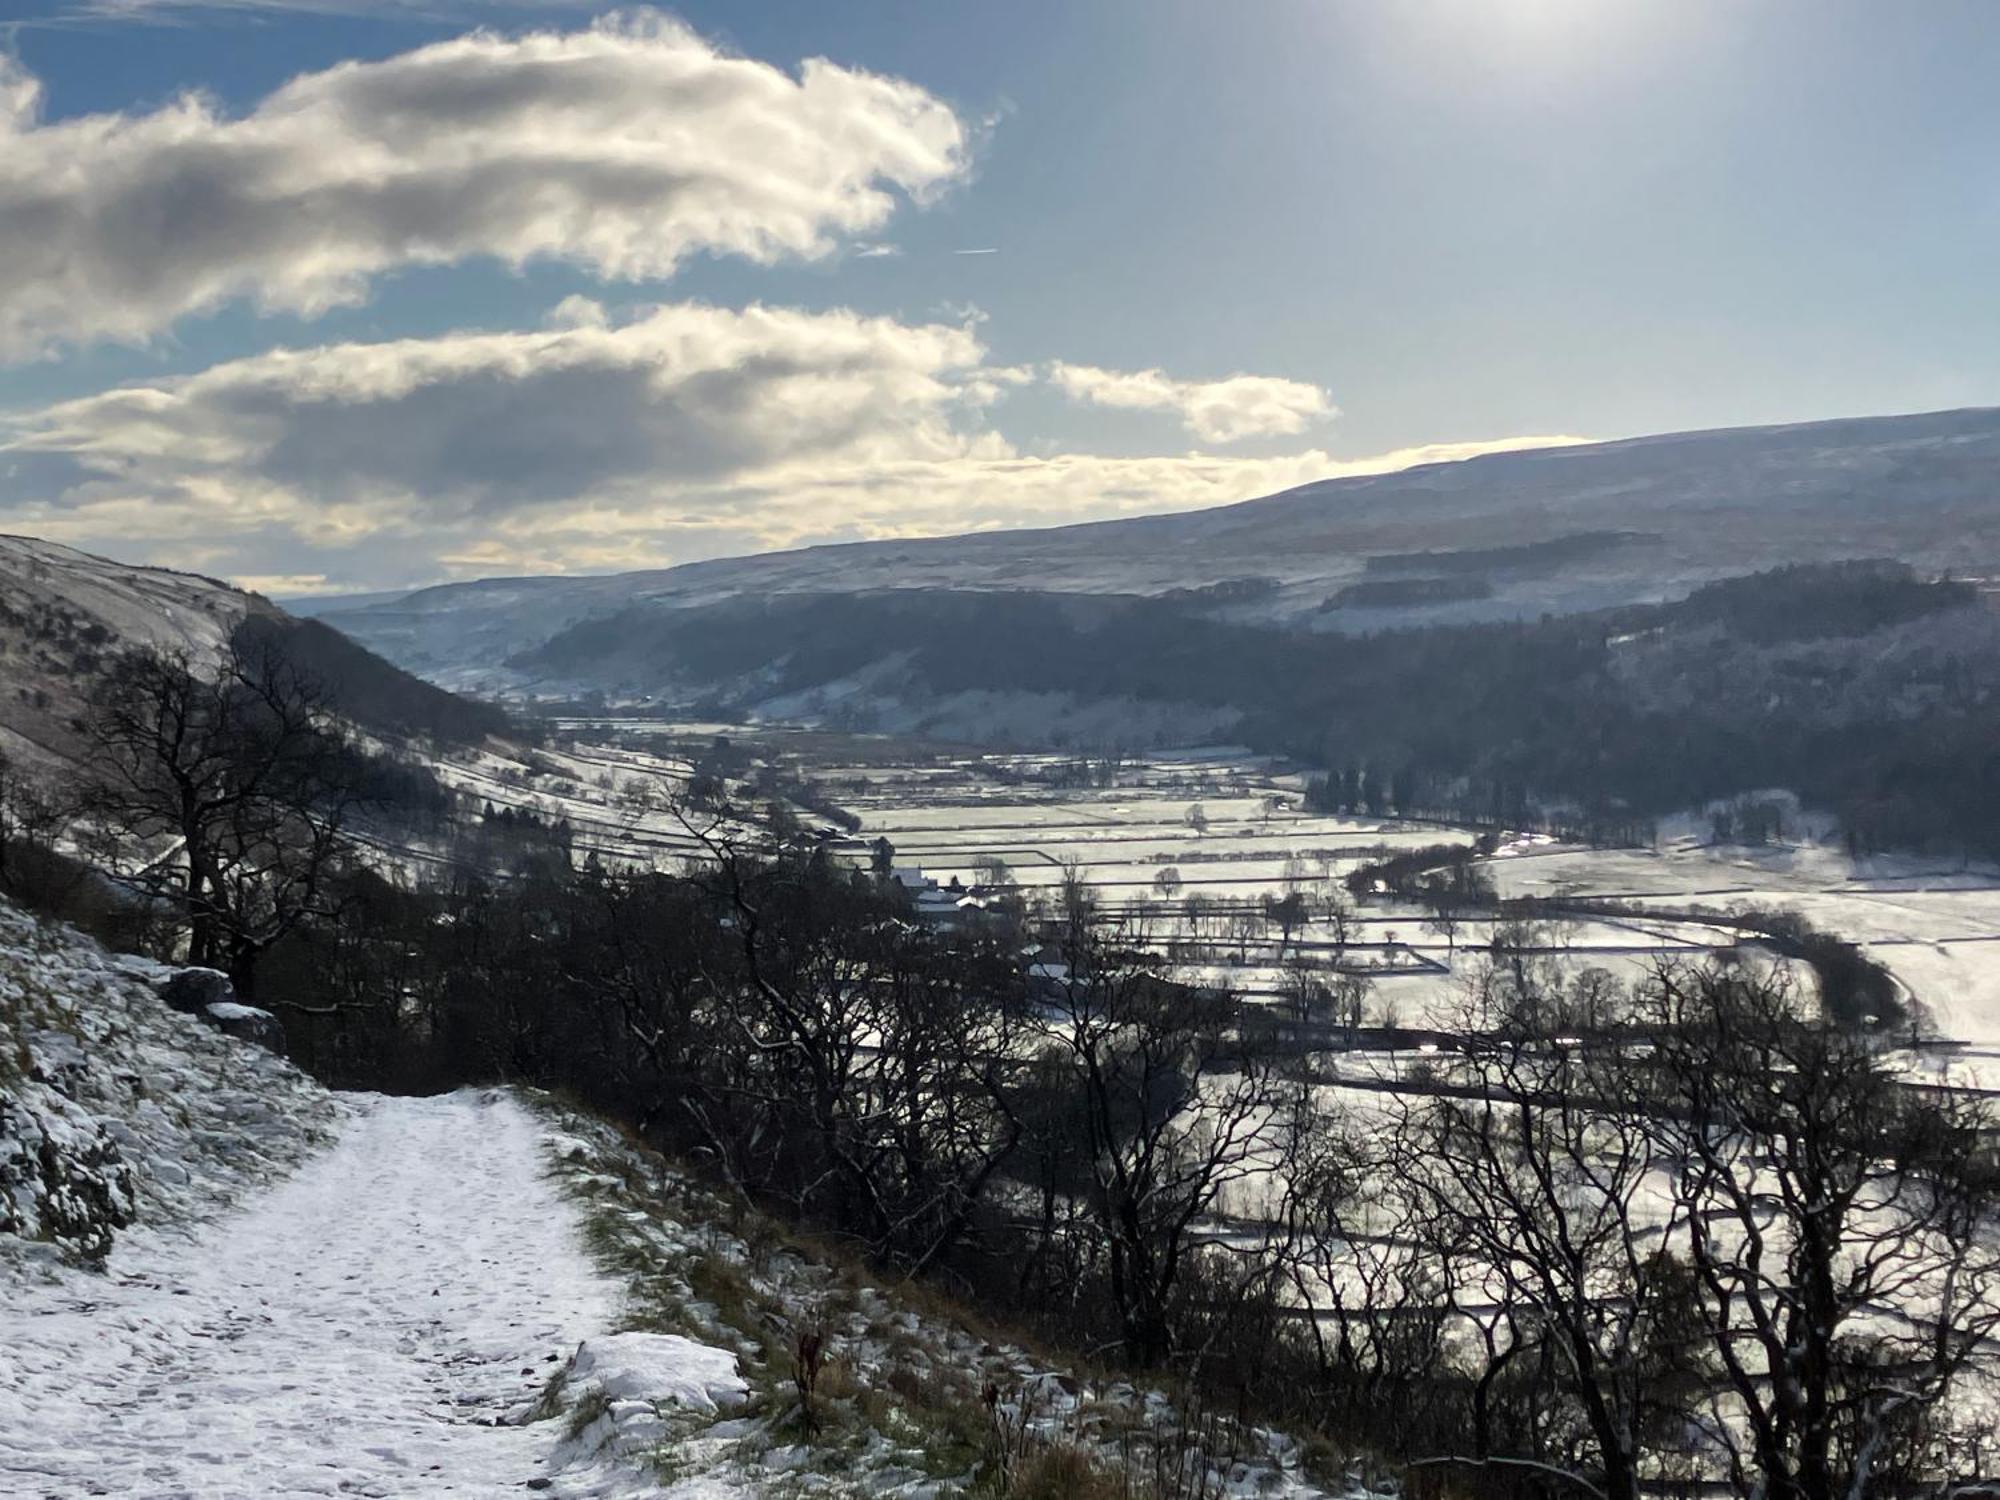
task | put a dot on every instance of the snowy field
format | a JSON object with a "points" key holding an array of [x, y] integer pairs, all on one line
{"points": [[1131, 830], [1935, 926]]}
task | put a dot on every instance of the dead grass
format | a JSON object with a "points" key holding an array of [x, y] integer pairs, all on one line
{"points": [[908, 1377], [1063, 1471]]}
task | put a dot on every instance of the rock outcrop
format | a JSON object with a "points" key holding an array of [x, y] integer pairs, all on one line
{"points": [[210, 995]]}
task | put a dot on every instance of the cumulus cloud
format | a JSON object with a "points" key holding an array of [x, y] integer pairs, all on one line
{"points": [[1216, 411], [584, 408], [598, 441], [623, 148]]}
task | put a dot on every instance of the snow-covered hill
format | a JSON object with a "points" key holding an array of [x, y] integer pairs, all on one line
{"points": [[116, 1110], [62, 612], [1511, 534], [65, 615]]}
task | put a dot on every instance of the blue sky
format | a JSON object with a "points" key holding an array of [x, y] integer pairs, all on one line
{"points": [[1432, 222]]}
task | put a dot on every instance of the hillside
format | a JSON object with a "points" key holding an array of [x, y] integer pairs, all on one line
{"points": [[275, 1289], [64, 613], [280, 1290], [1865, 687], [64, 616], [1503, 536]]}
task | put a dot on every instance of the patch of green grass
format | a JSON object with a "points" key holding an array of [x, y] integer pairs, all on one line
{"points": [[725, 1286], [550, 1402], [595, 1404], [671, 1464]]}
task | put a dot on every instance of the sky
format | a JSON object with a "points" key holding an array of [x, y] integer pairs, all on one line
{"points": [[334, 295]]}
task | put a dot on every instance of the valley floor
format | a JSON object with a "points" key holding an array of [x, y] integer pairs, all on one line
{"points": [[375, 1325]]}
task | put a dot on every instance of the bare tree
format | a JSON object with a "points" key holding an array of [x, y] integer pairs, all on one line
{"points": [[1448, 909], [1540, 1190], [1173, 1107], [1288, 913], [992, 871], [1247, 925], [1196, 908], [1303, 983], [229, 785], [852, 1062], [1386, 1318], [32, 817], [1841, 1224], [1350, 1001]]}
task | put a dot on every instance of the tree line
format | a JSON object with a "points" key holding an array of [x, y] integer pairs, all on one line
{"points": [[1870, 691]]}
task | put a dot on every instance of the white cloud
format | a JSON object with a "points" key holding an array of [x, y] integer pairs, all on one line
{"points": [[578, 312], [583, 408], [598, 441], [1216, 411], [623, 148]]}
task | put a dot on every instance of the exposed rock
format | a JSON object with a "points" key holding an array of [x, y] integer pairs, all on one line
{"points": [[62, 1181], [247, 1024], [193, 991], [209, 994], [114, 1109]]}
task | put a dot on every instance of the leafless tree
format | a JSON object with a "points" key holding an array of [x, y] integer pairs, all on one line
{"points": [[1303, 983], [1288, 913], [229, 786], [1196, 909], [853, 1064], [32, 817], [1242, 925], [1539, 1186], [1174, 1109], [1350, 1001], [1841, 1224]]}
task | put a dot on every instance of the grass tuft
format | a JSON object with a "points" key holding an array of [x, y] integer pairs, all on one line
{"points": [[594, 1405]]}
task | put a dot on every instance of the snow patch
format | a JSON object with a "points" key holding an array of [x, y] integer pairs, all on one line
{"points": [[663, 1368]]}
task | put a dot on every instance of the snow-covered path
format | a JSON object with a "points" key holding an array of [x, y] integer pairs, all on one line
{"points": [[371, 1326]]}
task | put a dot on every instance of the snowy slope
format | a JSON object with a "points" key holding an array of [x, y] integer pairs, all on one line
{"points": [[65, 616], [63, 611], [477, 1295], [153, 606], [114, 1108], [1689, 507], [305, 1294]]}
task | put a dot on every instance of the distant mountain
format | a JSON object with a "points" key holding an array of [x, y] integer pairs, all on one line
{"points": [[65, 615], [1504, 536]]}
